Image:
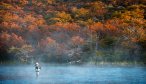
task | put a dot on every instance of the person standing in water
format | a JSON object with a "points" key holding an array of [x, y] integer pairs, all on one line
{"points": [[37, 69]]}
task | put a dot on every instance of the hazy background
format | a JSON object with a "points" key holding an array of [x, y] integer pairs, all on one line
{"points": [[73, 31]]}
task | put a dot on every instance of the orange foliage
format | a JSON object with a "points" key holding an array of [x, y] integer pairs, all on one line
{"points": [[62, 17], [10, 17], [97, 27], [22, 2], [40, 21], [14, 25], [29, 18], [82, 12], [50, 1], [32, 28], [47, 42], [77, 40], [110, 27], [47, 45], [5, 36], [98, 8], [68, 26], [134, 14], [12, 39]]}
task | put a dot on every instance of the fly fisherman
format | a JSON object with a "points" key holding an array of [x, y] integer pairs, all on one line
{"points": [[37, 69]]}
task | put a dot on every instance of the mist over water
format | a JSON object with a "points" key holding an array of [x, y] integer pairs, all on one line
{"points": [[73, 74], [90, 41]]}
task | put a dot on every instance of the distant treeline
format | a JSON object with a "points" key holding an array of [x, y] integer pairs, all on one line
{"points": [[73, 31]]}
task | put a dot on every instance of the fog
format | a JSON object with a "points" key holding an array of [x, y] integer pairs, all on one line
{"points": [[65, 74]]}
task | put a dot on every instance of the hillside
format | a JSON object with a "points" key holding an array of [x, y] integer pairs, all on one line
{"points": [[80, 31]]}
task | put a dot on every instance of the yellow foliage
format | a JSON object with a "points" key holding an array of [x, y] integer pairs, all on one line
{"points": [[40, 21], [98, 8], [29, 18], [80, 12], [129, 15], [62, 17], [50, 1]]}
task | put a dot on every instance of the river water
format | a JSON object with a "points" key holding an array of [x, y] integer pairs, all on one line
{"points": [[71, 74]]}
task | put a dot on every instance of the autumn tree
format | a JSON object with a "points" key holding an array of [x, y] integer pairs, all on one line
{"points": [[23, 54], [62, 17], [81, 13], [11, 39], [98, 10]]}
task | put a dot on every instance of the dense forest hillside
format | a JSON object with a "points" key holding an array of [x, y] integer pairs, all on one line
{"points": [[73, 31]]}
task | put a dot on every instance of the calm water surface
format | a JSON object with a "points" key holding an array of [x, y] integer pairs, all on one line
{"points": [[51, 74]]}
